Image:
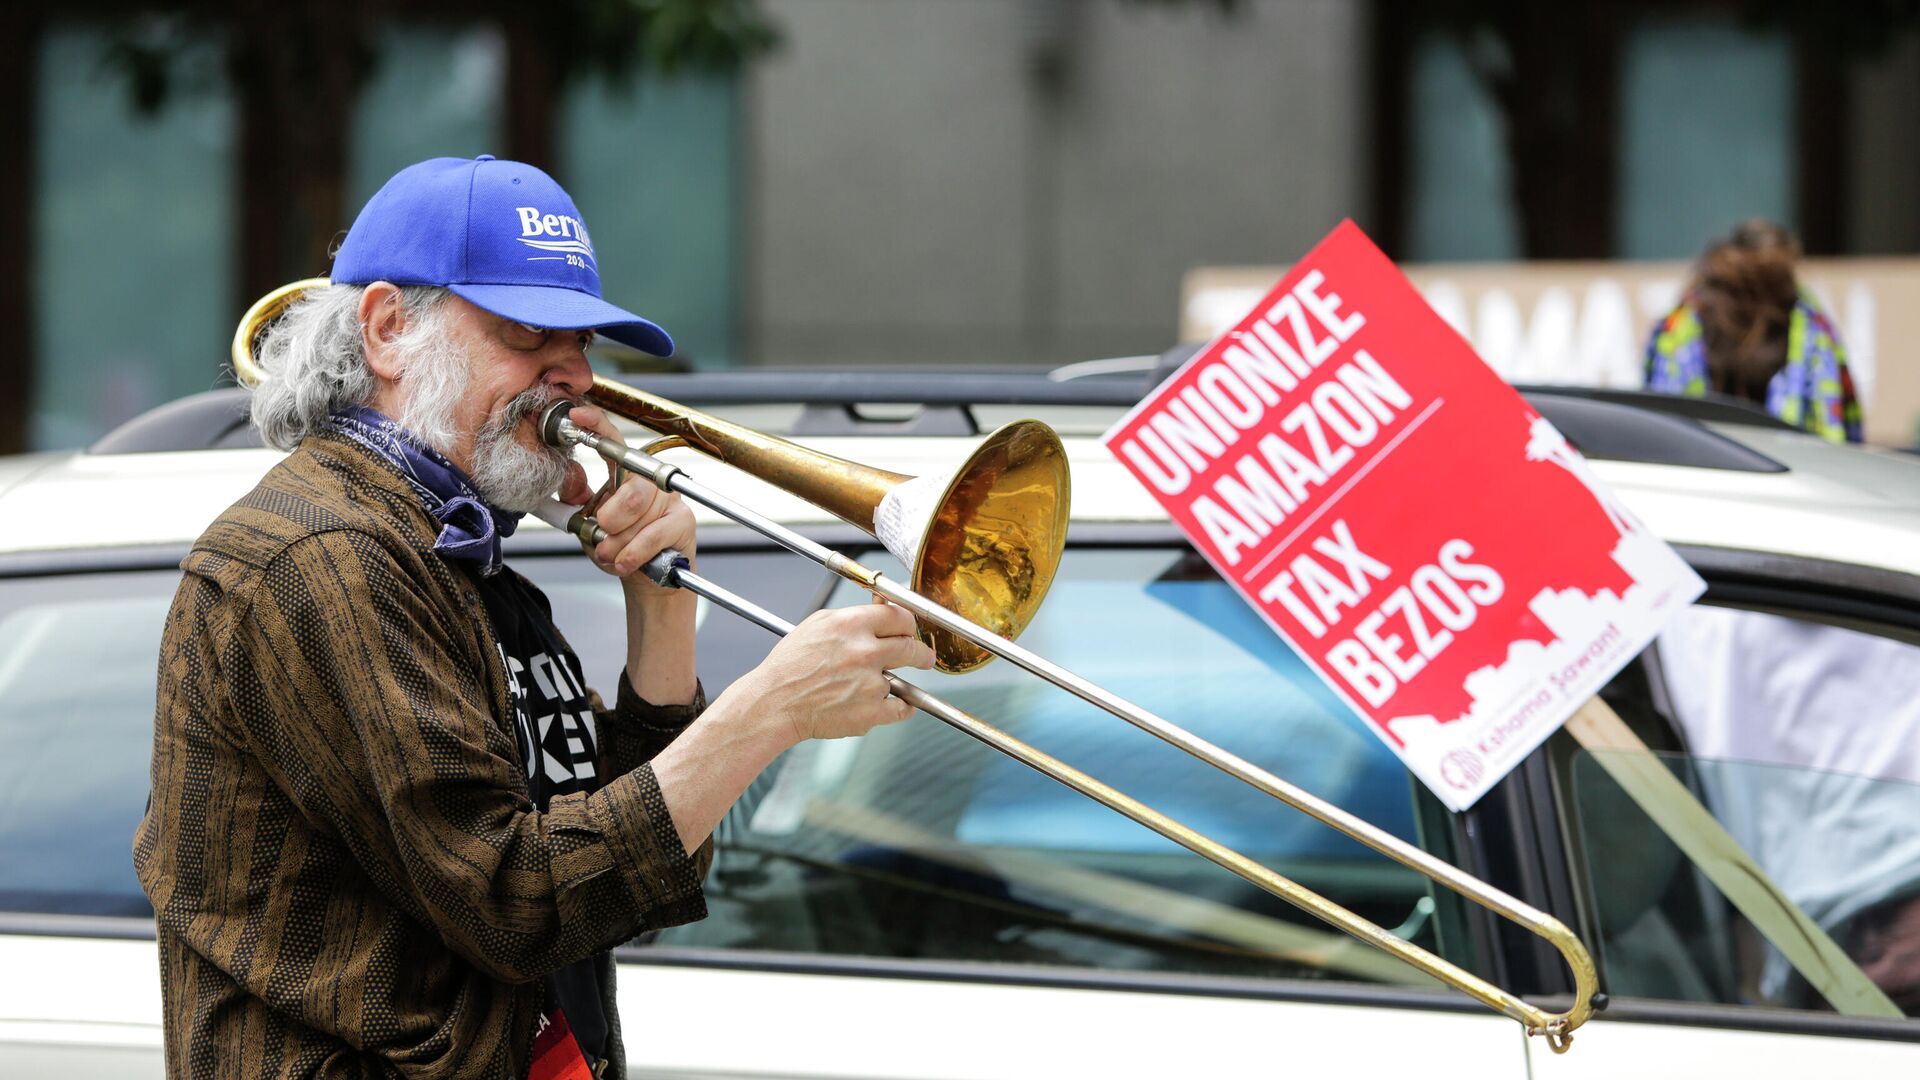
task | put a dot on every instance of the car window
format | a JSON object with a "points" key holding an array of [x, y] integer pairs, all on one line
{"points": [[1805, 745], [1845, 848], [78, 655], [78, 659], [915, 841]]}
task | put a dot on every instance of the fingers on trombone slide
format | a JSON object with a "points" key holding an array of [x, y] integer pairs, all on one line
{"points": [[594, 419], [899, 632], [899, 688]]}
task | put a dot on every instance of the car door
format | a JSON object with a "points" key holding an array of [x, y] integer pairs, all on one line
{"points": [[78, 649], [79, 643], [1793, 698]]}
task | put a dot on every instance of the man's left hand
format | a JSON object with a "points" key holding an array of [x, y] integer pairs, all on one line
{"points": [[641, 521]]}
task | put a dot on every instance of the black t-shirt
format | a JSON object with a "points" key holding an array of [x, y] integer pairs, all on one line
{"points": [[559, 744]]}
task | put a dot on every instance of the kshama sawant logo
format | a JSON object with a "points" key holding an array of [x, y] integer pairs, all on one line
{"points": [[1432, 547]]}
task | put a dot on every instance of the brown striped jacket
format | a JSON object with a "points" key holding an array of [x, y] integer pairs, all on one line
{"points": [[348, 877]]}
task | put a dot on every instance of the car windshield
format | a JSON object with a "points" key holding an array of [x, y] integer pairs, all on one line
{"points": [[916, 841]]}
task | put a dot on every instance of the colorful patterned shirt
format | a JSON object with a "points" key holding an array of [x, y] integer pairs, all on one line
{"points": [[1814, 390]]}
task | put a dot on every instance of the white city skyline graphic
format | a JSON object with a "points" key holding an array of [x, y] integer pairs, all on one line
{"points": [[1518, 702]]}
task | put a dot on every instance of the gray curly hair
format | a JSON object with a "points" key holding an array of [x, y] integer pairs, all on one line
{"points": [[313, 364]]}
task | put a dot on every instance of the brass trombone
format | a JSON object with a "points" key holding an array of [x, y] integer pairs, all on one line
{"points": [[984, 549]]}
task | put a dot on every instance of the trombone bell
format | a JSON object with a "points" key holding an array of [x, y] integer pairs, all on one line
{"points": [[985, 544]]}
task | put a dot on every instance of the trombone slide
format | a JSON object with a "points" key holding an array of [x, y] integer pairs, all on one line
{"points": [[1557, 1028]]}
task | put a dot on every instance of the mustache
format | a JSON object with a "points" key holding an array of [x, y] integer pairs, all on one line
{"points": [[523, 405]]}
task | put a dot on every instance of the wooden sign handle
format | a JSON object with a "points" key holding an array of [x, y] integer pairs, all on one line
{"points": [[1662, 797]]}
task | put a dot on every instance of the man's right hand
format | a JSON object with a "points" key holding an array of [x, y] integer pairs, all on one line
{"points": [[827, 678]]}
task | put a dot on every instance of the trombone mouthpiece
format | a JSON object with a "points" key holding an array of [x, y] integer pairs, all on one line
{"points": [[553, 423]]}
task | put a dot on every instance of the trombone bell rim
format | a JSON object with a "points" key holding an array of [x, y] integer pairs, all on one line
{"points": [[246, 370], [1004, 512]]}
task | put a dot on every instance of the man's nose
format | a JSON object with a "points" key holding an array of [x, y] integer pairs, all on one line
{"points": [[570, 372]]}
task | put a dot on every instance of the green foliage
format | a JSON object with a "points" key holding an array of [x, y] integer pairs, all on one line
{"points": [[162, 49], [160, 55], [1851, 28], [615, 39]]}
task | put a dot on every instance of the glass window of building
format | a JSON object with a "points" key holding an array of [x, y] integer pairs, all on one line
{"points": [[1460, 203], [653, 163], [434, 92], [132, 238], [1706, 134]]}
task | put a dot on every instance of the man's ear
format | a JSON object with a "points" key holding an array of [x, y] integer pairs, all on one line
{"points": [[383, 318]]}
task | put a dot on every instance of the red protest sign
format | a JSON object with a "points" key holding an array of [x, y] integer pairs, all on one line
{"points": [[1428, 543]]}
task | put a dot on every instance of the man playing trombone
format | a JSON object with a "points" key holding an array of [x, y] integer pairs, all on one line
{"points": [[391, 833]]}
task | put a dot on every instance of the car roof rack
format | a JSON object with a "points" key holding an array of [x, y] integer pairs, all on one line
{"points": [[1611, 425], [210, 420], [1617, 426]]}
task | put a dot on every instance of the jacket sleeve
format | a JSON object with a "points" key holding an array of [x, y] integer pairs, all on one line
{"points": [[635, 730], [368, 701]]}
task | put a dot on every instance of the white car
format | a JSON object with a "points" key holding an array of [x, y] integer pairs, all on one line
{"points": [[911, 904]]}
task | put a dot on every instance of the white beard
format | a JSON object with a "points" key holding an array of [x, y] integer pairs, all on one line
{"points": [[507, 475]]}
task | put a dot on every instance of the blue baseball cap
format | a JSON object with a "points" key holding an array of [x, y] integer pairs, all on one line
{"points": [[500, 234]]}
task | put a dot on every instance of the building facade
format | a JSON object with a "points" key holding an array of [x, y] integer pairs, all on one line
{"points": [[947, 181]]}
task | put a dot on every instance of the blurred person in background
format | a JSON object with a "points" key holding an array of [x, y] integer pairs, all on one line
{"points": [[1796, 721], [1745, 328]]}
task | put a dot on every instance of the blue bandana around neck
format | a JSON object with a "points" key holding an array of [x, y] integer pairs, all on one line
{"points": [[470, 528]]}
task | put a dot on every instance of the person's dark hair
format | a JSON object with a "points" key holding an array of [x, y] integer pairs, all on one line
{"points": [[1744, 291]]}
